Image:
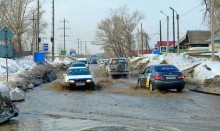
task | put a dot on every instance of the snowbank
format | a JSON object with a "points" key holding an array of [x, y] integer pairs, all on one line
{"points": [[206, 69]]}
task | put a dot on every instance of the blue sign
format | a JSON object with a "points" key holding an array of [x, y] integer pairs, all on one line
{"points": [[163, 49], [6, 33], [63, 52], [45, 46]]}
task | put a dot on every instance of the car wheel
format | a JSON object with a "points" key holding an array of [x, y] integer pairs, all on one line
{"points": [[151, 86], [139, 84], [126, 76], [180, 89]]}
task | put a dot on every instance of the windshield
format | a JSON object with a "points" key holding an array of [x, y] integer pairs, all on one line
{"points": [[165, 69], [78, 65], [84, 61], [78, 71]]}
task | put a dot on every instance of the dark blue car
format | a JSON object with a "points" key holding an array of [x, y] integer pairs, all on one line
{"points": [[162, 76]]}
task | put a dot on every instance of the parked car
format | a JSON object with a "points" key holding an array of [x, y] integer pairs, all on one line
{"points": [[103, 62], [84, 60], [79, 77], [78, 64], [162, 76], [116, 67], [94, 61]]}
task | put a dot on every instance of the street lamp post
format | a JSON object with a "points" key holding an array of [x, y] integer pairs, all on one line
{"points": [[212, 30], [167, 30], [178, 36], [173, 30]]}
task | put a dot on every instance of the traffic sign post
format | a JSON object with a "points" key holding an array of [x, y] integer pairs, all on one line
{"points": [[45, 46], [5, 35], [163, 49], [63, 53]]}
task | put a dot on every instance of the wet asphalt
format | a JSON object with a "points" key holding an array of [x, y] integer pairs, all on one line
{"points": [[115, 110]]}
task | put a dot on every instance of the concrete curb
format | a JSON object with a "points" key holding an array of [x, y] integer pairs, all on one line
{"points": [[199, 89]]}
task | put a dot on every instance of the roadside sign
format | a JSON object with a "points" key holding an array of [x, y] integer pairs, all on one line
{"points": [[71, 51], [45, 47], [63, 53], [6, 33], [163, 49]]}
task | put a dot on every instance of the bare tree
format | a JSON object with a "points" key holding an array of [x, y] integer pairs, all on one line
{"points": [[207, 13], [116, 32], [17, 15]]}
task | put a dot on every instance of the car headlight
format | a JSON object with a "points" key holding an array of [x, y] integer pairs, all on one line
{"points": [[71, 81], [89, 80]]}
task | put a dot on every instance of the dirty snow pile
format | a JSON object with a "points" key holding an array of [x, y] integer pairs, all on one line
{"points": [[24, 74], [14, 66], [203, 68]]}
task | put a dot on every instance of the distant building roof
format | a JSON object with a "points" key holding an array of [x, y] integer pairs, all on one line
{"points": [[164, 43], [195, 37], [216, 38]]}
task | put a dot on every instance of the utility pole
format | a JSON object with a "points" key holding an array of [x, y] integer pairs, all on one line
{"points": [[64, 33], [78, 46], [81, 47], [173, 31], [138, 41], [34, 35], [53, 26], [160, 34], [178, 34], [142, 42], [38, 25], [167, 30], [85, 48], [212, 30]]}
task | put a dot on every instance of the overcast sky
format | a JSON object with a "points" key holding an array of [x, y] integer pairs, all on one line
{"points": [[84, 15]]}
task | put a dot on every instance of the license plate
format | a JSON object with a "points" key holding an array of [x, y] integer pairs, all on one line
{"points": [[80, 84], [170, 77]]}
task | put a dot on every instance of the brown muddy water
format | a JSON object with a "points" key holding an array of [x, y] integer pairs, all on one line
{"points": [[117, 106]]}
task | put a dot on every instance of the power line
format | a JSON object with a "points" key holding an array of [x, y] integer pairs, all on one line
{"points": [[191, 10], [64, 33]]}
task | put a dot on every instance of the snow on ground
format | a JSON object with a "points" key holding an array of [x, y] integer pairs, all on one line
{"points": [[19, 65], [202, 73], [183, 62]]}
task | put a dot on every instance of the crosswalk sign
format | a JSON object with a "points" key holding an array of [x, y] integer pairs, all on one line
{"points": [[63, 53], [163, 49]]}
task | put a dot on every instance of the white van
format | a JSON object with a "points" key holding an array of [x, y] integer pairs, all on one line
{"points": [[84, 60]]}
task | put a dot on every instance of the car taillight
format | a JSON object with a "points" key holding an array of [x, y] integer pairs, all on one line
{"points": [[158, 77], [181, 76]]}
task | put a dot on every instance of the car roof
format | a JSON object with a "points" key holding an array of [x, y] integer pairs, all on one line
{"points": [[77, 68], [161, 65], [79, 63]]}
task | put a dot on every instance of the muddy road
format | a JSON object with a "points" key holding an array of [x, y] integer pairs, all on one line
{"points": [[118, 106]]}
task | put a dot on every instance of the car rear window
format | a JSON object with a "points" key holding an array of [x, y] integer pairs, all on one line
{"points": [[84, 61], [78, 65], [116, 61], [165, 69]]}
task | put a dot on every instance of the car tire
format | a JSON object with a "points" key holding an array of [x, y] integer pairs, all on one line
{"points": [[139, 84], [125, 76], [151, 86], [120, 67], [180, 89]]}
